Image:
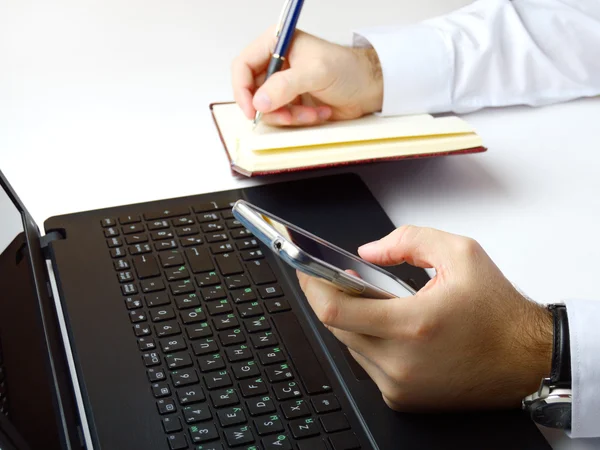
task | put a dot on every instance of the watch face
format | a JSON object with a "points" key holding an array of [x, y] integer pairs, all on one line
{"points": [[554, 415]]}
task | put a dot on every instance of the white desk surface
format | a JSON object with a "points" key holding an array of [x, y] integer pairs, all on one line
{"points": [[106, 102]]}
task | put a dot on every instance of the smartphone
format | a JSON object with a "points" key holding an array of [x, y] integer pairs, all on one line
{"points": [[319, 258]]}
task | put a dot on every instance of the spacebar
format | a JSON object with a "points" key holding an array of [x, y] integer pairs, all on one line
{"points": [[306, 362]]}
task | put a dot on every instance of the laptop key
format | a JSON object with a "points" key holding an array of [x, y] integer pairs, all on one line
{"points": [[178, 361], [264, 339], [181, 287], [125, 220], [146, 343], [193, 316], [133, 303], [312, 444], [239, 436], [171, 424], [158, 225], [225, 322], [187, 231], [133, 228], [199, 259], [204, 347], [210, 363], [224, 397], [237, 281], [229, 264], [121, 264], [238, 353], [108, 222], [257, 324], [180, 221], [184, 377], [238, 234], [286, 391], [280, 372], [268, 425], [217, 249], [152, 285], [141, 330], [199, 331], [307, 365], [161, 389], [151, 359], [231, 416], [251, 255], [251, 388], [260, 405], [303, 428], [190, 395], [213, 293], [166, 213], [166, 406], [246, 244], [167, 329], [277, 305], [165, 245], [157, 299], [197, 413], [232, 337], [133, 239], [177, 441], [273, 291], [203, 433], [280, 442], [129, 289], [261, 272], [155, 374], [334, 422], [207, 217], [247, 369], [118, 252], [162, 314], [160, 235], [250, 310], [171, 259], [344, 441], [114, 242], [207, 279], [294, 409], [216, 237], [177, 273], [211, 227], [243, 295], [137, 316], [325, 403]]}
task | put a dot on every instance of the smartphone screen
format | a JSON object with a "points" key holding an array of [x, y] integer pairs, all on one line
{"points": [[330, 254]]}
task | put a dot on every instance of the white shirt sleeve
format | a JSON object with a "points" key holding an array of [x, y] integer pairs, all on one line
{"points": [[584, 334], [490, 53]]}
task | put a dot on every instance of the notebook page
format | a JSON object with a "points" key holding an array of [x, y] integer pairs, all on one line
{"points": [[364, 129]]}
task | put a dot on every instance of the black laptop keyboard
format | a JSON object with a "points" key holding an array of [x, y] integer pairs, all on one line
{"points": [[227, 360]]}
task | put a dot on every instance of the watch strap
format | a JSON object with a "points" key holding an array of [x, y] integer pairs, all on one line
{"points": [[561, 349]]}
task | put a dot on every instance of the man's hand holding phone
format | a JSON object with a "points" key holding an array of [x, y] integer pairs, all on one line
{"points": [[467, 340]]}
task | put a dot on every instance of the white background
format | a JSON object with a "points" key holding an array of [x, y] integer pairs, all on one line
{"points": [[106, 102]]}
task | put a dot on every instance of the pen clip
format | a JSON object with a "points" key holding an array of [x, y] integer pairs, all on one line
{"points": [[282, 16]]}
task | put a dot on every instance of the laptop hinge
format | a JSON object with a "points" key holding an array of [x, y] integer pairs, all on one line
{"points": [[48, 238]]}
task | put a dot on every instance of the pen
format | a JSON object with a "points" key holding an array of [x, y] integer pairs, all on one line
{"points": [[284, 33]]}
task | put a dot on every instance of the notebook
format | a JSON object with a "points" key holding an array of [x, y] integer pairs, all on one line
{"points": [[269, 149]]}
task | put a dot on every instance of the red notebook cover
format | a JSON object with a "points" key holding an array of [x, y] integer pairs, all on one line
{"points": [[238, 170]]}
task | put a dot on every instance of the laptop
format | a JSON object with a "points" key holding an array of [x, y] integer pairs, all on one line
{"points": [[166, 325]]}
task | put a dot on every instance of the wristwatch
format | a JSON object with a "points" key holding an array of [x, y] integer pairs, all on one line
{"points": [[550, 406]]}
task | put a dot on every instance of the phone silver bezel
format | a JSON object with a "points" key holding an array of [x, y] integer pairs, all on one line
{"points": [[250, 216]]}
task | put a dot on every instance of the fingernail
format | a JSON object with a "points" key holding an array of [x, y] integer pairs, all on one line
{"points": [[262, 102], [369, 246], [323, 114], [303, 117]]}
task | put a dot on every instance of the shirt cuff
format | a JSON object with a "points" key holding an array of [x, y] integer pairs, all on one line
{"points": [[417, 68], [584, 335]]}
